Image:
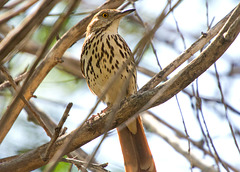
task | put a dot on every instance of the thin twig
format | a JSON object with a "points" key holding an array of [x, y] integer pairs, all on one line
{"points": [[216, 100], [16, 80], [146, 31], [225, 108], [178, 28], [183, 121], [198, 108], [99, 167], [57, 131], [80, 154]]}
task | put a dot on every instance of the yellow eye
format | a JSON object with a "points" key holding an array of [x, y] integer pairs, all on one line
{"points": [[105, 15]]}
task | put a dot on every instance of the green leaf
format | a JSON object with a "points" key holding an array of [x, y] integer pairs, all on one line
{"points": [[62, 167]]}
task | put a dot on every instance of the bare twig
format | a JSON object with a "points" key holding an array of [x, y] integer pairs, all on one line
{"points": [[199, 144], [225, 108], [76, 154], [57, 131], [213, 100], [16, 80], [98, 167], [135, 103], [207, 137]]}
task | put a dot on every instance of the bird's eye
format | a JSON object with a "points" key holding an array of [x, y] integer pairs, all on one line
{"points": [[105, 15]]}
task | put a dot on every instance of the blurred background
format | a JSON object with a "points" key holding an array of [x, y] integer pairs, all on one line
{"points": [[179, 29]]}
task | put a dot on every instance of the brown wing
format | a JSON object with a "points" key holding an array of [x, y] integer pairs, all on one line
{"points": [[82, 58], [82, 64]]}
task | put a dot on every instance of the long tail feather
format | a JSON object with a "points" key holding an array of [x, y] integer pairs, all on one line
{"points": [[136, 152]]}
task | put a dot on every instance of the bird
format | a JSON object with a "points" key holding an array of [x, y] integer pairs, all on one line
{"points": [[106, 56]]}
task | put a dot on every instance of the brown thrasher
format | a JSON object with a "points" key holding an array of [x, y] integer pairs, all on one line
{"points": [[104, 53]]}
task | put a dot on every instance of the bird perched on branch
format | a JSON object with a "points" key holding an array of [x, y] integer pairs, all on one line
{"points": [[109, 68]]}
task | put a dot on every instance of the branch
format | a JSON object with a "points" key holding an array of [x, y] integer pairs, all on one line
{"points": [[58, 129], [98, 167], [137, 102], [7, 83]]}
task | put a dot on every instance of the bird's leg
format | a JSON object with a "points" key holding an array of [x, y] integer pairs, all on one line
{"points": [[97, 116], [104, 110]]}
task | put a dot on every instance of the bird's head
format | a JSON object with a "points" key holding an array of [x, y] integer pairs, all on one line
{"points": [[107, 20]]}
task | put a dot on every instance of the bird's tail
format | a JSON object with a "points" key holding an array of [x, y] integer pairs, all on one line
{"points": [[136, 152]]}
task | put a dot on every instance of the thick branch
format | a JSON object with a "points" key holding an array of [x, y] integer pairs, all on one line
{"points": [[138, 102]]}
